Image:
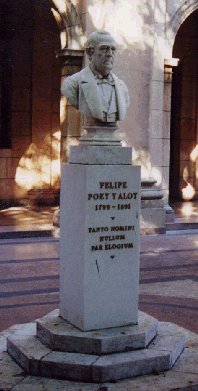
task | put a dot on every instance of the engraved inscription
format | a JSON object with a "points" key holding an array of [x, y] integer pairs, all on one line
{"points": [[115, 196]]}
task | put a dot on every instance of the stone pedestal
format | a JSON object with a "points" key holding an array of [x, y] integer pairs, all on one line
{"points": [[153, 213], [99, 279], [100, 205], [59, 350]]}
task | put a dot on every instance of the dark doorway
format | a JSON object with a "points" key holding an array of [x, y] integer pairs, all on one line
{"points": [[29, 100], [184, 114]]}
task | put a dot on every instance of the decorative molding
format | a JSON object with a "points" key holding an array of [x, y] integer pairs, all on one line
{"points": [[171, 62], [182, 13], [70, 56], [69, 20]]}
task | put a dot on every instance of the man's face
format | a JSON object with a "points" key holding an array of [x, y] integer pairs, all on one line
{"points": [[103, 57]]}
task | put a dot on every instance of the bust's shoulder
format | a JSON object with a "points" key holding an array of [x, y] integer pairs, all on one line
{"points": [[79, 76], [72, 84], [120, 81], [123, 88]]}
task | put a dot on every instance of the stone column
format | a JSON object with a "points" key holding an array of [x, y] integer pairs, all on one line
{"points": [[168, 65], [152, 208], [70, 118]]}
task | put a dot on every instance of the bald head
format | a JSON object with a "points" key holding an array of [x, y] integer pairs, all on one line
{"points": [[97, 37], [100, 49]]}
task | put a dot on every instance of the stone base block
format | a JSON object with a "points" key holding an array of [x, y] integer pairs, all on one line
{"points": [[152, 208], [152, 220], [37, 359], [170, 215], [87, 154], [60, 335]]}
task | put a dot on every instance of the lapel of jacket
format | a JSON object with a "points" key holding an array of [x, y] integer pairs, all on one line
{"points": [[121, 100], [90, 90]]}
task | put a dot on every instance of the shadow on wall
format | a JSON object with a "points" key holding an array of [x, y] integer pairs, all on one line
{"points": [[69, 18], [116, 16]]}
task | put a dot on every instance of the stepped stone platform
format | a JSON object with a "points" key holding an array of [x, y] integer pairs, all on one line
{"points": [[59, 350]]}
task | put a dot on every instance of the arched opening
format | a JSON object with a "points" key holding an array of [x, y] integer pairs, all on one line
{"points": [[30, 99], [183, 182]]}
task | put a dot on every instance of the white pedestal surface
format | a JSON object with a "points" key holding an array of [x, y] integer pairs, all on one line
{"points": [[99, 227]]}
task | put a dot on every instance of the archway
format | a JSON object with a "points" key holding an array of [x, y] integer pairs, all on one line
{"points": [[183, 182]]}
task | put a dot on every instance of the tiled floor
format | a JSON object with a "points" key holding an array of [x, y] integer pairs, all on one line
{"points": [[17, 219], [29, 288], [29, 270], [24, 218], [186, 211], [28, 279], [168, 278]]}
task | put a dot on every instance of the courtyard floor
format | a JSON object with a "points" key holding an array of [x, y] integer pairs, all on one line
{"points": [[29, 285], [29, 281], [168, 291]]}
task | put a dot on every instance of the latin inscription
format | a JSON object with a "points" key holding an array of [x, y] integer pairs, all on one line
{"points": [[112, 229], [112, 196]]}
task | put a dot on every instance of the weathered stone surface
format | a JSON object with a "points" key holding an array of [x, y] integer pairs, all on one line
{"points": [[174, 344], [56, 218], [168, 381], [61, 335], [162, 382], [160, 356], [185, 379], [152, 218], [26, 351], [36, 359], [85, 154], [32, 383], [70, 366], [191, 339], [188, 361], [130, 364], [10, 372], [17, 329], [99, 245]]}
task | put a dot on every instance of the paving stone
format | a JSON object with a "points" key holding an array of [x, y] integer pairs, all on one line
{"points": [[166, 328], [61, 335], [188, 362], [44, 384], [10, 372], [163, 382], [18, 329]]}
